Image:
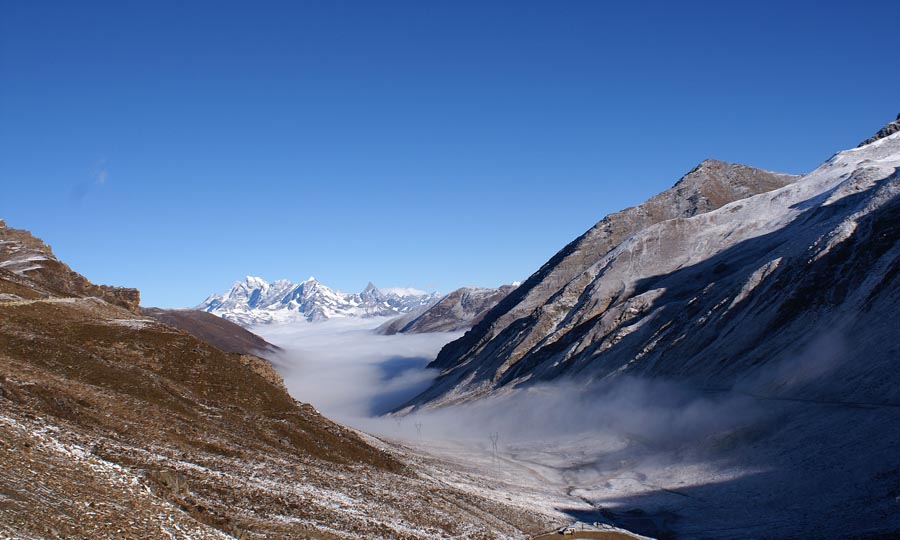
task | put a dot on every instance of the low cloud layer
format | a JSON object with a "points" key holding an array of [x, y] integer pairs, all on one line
{"points": [[349, 372], [666, 447], [356, 376]]}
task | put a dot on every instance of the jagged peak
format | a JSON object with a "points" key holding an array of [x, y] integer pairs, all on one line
{"points": [[248, 283], [284, 300], [889, 129]]}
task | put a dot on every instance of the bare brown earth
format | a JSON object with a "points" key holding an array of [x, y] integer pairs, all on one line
{"points": [[113, 425]]}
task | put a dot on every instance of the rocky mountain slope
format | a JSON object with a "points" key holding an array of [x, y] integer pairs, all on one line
{"points": [[724, 272], [29, 267], [889, 129], [775, 308], [115, 425], [459, 310], [256, 301]]}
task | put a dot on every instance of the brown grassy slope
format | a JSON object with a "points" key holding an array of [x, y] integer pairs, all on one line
{"points": [[214, 330], [186, 427], [113, 425]]}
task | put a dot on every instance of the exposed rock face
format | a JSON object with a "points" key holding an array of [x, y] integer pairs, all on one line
{"points": [[459, 310], [521, 320], [889, 129], [127, 297], [33, 261]]}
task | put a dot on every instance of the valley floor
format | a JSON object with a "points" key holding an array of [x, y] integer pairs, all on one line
{"points": [[748, 465], [803, 478]]}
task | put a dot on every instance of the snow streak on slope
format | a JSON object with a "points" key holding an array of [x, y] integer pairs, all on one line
{"points": [[459, 310], [255, 301], [710, 296], [763, 332]]}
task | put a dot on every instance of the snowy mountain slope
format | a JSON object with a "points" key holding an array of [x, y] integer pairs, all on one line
{"points": [[702, 291], [773, 317], [254, 301], [459, 310]]}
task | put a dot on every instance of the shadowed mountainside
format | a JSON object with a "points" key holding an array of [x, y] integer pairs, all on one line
{"points": [[785, 300], [520, 322]]}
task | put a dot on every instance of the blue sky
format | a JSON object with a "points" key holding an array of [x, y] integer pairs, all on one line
{"points": [[176, 148]]}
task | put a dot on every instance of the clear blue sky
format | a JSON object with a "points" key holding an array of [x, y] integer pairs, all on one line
{"points": [[177, 146]]}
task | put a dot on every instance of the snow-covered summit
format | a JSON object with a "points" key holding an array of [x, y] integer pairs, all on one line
{"points": [[404, 291], [254, 300]]}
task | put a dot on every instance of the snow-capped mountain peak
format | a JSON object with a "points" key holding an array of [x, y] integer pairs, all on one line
{"points": [[254, 301], [404, 291]]}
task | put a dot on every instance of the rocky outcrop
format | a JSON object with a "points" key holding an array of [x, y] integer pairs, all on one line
{"points": [[33, 260], [127, 297], [459, 310], [889, 129]]}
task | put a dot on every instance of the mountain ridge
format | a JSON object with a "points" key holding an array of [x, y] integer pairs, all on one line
{"points": [[256, 301], [458, 310], [597, 291], [29, 262]]}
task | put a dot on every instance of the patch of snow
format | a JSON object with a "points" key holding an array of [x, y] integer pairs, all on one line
{"points": [[137, 324]]}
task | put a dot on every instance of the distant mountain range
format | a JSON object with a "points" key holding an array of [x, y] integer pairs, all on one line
{"points": [[256, 301]]}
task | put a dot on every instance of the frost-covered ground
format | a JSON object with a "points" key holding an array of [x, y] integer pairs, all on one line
{"points": [[793, 470]]}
